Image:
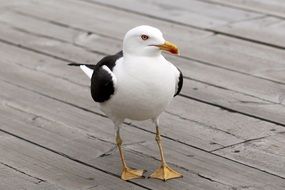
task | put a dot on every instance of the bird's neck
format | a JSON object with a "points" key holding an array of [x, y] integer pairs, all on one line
{"points": [[141, 52], [143, 59], [145, 55]]}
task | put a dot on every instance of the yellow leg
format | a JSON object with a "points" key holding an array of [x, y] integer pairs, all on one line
{"points": [[164, 172], [127, 173]]}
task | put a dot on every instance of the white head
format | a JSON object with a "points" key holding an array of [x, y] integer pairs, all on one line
{"points": [[146, 41]]}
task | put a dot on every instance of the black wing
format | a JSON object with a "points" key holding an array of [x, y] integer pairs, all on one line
{"points": [[102, 84], [109, 61], [87, 65], [180, 83]]}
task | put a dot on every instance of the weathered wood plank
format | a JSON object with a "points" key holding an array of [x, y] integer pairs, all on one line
{"points": [[273, 7], [206, 113], [94, 18], [11, 179], [218, 173], [269, 30], [197, 166], [241, 23], [75, 36], [67, 91], [209, 93], [241, 56], [61, 70], [257, 34], [53, 168], [220, 55], [42, 128], [236, 102], [216, 50], [244, 84], [270, 149], [96, 130], [8, 5], [190, 12]]}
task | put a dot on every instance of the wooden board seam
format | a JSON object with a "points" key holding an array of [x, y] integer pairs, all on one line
{"points": [[137, 127], [101, 53]]}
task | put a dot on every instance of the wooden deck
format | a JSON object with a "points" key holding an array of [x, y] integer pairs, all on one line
{"points": [[226, 131]]}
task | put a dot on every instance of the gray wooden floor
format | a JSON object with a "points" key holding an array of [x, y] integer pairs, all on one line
{"points": [[226, 131]]}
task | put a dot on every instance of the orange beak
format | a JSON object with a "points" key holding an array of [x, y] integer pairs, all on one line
{"points": [[170, 47]]}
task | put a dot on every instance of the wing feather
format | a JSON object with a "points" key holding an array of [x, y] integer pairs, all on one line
{"points": [[179, 82], [103, 80]]}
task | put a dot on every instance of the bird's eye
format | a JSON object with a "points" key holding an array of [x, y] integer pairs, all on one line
{"points": [[144, 37]]}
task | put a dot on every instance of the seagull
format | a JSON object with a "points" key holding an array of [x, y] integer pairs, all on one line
{"points": [[137, 83]]}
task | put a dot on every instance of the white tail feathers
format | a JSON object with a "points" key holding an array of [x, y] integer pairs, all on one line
{"points": [[86, 70]]}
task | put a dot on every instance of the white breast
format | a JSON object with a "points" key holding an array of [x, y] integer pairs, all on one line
{"points": [[145, 87]]}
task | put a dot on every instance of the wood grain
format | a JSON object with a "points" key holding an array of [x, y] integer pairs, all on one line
{"points": [[268, 30], [12, 178], [216, 16], [224, 48], [191, 12], [141, 150], [270, 149], [225, 130], [66, 91], [51, 167], [273, 7], [49, 109], [207, 92], [92, 134]]}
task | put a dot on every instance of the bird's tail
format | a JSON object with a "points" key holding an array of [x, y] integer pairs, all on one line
{"points": [[87, 69]]}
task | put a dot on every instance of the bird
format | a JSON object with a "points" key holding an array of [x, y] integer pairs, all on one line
{"points": [[137, 83]]}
